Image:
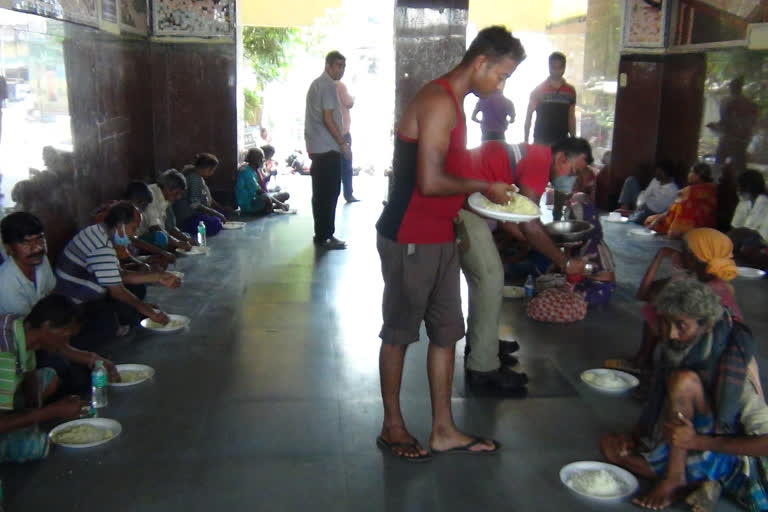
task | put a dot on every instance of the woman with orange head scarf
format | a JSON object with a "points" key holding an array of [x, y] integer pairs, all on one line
{"points": [[707, 255]]}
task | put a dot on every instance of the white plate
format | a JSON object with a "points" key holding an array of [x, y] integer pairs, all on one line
{"points": [[196, 250], [167, 330], [751, 273], [618, 220], [476, 202], [135, 367], [232, 224], [514, 292], [102, 423], [631, 380], [628, 481], [642, 232], [178, 274]]}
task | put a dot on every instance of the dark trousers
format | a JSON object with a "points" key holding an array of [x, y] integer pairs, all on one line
{"points": [[102, 317], [346, 170], [326, 185]]}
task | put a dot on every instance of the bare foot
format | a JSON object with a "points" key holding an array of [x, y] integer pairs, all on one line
{"points": [[705, 498], [401, 442], [663, 494], [445, 440]]}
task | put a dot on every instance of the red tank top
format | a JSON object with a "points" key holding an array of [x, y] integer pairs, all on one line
{"points": [[411, 217]]}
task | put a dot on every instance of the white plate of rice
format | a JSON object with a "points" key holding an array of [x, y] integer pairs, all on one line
{"points": [[598, 480], [132, 374], [196, 250], [175, 323], [233, 224], [642, 232], [751, 273], [609, 381], [85, 433], [518, 209]]}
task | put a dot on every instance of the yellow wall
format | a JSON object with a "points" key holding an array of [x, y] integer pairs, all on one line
{"points": [[283, 13], [521, 16], [517, 15]]}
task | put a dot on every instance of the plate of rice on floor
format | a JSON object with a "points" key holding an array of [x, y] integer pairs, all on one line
{"points": [[132, 374], [518, 209], [196, 250], [609, 381], [175, 323], [642, 232], [85, 433], [598, 480], [751, 273], [233, 224]]}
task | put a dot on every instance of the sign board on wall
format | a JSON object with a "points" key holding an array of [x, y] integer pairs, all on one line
{"points": [[645, 23], [201, 18]]}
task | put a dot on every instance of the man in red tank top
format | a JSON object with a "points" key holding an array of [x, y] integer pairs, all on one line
{"points": [[416, 243]]}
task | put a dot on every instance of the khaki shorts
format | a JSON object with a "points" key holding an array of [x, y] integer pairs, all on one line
{"points": [[421, 283]]}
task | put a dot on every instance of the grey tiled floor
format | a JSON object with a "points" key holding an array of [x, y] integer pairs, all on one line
{"points": [[271, 400]]}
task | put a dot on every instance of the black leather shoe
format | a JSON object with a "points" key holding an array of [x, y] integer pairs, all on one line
{"points": [[507, 359], [508, 347], [503, 379]]}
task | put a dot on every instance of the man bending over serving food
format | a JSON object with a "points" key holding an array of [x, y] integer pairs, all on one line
{"points": [[530, 167], [704, 428]]}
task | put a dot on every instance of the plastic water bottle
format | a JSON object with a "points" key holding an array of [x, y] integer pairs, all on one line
{"points": [[201, 234], [99, 385], [528, 287]]}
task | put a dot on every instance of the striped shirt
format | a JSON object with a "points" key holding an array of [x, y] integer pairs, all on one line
{"points": [[88, 265], [15, 360]]}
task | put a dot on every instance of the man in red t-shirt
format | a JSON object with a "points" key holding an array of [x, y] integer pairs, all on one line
{"points": [[416, 241], [530, 167]]}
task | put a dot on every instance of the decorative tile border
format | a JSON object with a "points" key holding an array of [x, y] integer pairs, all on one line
{"points": [[193, 18]]}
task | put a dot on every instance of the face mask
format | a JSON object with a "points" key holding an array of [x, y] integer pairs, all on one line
{"points": [[121, 240], [564, 183]]}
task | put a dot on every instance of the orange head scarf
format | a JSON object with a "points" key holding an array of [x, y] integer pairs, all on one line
{"points": [[712, 247]]}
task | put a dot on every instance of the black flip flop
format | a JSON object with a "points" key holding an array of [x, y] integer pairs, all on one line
{"points": [[467, 448], [388, 447]]}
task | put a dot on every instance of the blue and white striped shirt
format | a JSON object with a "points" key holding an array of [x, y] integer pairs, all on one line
{"points": [[88, 265]]}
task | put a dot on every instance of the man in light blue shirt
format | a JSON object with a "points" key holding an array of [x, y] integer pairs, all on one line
{"points": [[323, 134], [26, 275]]}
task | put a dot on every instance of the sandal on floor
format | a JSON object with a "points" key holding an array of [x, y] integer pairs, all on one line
{"points": [[467, 448], [623, 365], [389, 448]]}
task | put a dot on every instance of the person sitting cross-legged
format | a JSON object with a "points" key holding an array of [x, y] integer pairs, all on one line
{"points": [[639, 204], [89, 272], [170, 186], [197, 204], [142, 253], [251, 196], [25, 395], [25, 278], [706, 423]]}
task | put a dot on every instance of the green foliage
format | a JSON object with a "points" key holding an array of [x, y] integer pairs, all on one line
{"points": [[252, 107], [269, 50]]}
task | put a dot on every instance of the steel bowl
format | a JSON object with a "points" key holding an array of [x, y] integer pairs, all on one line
{"points": [[569, 230]]}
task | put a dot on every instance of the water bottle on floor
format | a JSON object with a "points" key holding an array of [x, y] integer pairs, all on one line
{"points": [[99, 385], [201, 234], [528, 287]]}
